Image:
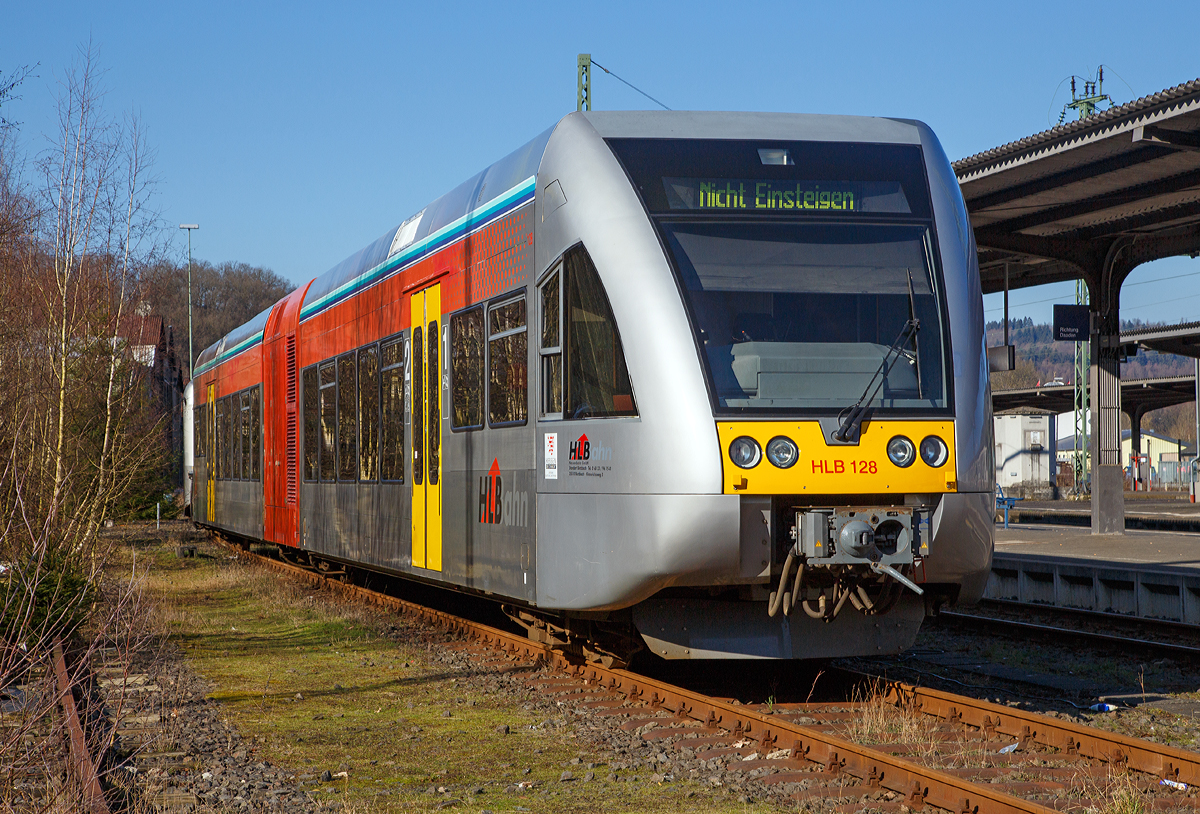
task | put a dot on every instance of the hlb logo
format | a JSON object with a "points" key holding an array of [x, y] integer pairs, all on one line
{"points": [[490, 506], [585, 450], [499, 507], [581, 450]]}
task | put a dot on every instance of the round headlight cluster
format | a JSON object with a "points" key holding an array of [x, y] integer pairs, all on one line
{"points": [[745, 452], [934, 451], [782, 451], [901, 451]]}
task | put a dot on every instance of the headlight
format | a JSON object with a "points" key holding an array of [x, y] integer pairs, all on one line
{"points": [[745, 452], [901, 451], [934, 451], [782, 451]]}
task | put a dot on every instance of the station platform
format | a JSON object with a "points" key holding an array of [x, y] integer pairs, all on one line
{"points": [[1140, 574], [1164, 511]]}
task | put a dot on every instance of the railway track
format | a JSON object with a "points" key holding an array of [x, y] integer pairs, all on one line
{"points": [[48, 739], [1076, 634], [967, 756], [78, 733]]}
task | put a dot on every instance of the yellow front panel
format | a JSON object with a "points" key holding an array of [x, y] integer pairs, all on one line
{"points": [[837, 470], [434, 365]]}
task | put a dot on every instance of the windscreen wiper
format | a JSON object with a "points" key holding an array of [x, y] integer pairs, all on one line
{"points": [[889, 360], [912, 314]]}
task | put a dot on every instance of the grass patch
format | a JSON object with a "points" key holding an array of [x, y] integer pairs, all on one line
{"points": [[878, 721], [318, 685]]}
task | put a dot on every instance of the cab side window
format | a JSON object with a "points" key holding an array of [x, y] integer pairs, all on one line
{"points": [[584, 375]]}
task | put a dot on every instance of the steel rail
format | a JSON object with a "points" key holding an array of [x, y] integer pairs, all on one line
{"points": [[82, 767], [1166, 648], [919, 785], [1163, 761]]}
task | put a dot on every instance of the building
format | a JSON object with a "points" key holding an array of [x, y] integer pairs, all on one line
{"points": [[1169, 459], [1026, 454], [151, 344]]}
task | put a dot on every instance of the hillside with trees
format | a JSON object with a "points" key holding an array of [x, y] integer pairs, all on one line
{"points": [[1041, 359], [224, 296]]}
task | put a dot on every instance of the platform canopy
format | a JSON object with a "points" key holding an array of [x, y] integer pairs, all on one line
{"points": [[1092, 200], [1182, 339], [1055, 205], [1138, 396]]}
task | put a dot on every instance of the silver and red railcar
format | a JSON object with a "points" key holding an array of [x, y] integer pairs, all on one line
{"points": [[715, 383]]}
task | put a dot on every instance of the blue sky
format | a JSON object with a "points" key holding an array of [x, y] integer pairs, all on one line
{"points": [[296, 133]]}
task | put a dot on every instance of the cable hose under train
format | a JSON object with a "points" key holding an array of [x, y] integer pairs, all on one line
{"points": [[819, 612], [857, 595], [780, 598]]}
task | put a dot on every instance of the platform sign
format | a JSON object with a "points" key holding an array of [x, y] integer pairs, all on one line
{"points": [[1072, 323]]}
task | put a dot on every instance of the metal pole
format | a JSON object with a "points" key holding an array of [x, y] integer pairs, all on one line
{"points": [[191, 360], [1005, 306], [584, 99], [191, 356]]}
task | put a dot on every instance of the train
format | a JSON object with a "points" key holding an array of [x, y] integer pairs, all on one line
{"points": [[709, 385]]}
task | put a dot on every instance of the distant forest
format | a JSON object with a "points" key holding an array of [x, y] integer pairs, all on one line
{"points": [[1040, 359]]}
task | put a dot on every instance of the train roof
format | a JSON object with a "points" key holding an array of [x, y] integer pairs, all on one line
{"points": [[423, 233], [743, 125], [484, 194], [439, 223]]}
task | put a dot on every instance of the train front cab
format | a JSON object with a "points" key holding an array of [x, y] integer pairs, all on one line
{"points": [[811, 384]]}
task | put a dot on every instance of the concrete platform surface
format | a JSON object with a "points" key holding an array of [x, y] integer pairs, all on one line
{"points": [[1152, 575], [1166, 504], [1162, 511], [1159, 548]]}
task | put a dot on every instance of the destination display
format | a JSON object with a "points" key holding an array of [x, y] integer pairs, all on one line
{"points": [[772, 196]]}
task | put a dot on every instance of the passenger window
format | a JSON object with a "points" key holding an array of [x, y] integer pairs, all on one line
{"points": [[219, 463], [466, 368], [347, 418], [197, 438], [392, 404], [243, 456], [328, 453], [256, 432], [597, 381], [435, 410], [551, 345], [227, 438], [311, 422], [368, 414], [508, 355]]}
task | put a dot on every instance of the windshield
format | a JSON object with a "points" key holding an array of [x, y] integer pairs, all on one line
{"points": [[800, 316]]}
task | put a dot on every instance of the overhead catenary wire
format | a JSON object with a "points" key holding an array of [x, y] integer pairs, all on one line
{"points": [[635, 87], [1127, 285]]}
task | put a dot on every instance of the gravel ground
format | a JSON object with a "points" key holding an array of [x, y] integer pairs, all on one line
{"points": [[211, 767], [219, 770]]}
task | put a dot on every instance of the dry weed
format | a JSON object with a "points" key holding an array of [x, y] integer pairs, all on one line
{"points": [[878, 720], [1118, 794]]}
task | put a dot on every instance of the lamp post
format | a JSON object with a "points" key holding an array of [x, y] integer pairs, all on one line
{"points": [[190, 227]]}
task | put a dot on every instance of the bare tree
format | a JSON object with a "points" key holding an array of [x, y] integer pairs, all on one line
{"points": [[75, 413], [9, 83]]}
